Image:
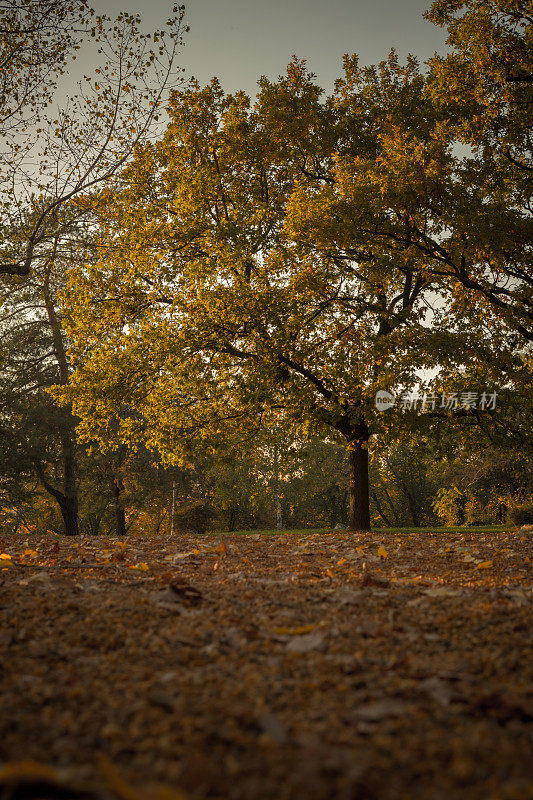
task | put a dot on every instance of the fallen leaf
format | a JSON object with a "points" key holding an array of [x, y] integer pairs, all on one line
{"points": [[381, 709], [484, 565], [179, 556], [306, 643], [115, 782], [18, 771], [382, 553], [437, 689], [347, 596], [373, 580], [368, 629], [41, 579], [518, 596], [30, 779], [299, 631], [167, 793], [5, 557], [181, 590], [272, 727], [442, 591]]}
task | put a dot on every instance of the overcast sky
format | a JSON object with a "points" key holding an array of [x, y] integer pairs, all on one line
{"points": [[239, 40]]}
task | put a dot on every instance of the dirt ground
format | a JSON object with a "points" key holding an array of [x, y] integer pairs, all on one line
{"points": [[319, 667]]}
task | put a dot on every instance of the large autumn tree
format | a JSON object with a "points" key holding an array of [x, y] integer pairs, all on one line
{"points": [[219, 303]]}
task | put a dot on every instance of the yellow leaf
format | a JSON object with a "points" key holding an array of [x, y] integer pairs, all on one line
{"points": [[5, 557], [341, 561], [27, 771], [32, 553], [294, 631], [115, 782], [484, 565], [166, 793], [382, 553], [142, 567], [360, 550]]}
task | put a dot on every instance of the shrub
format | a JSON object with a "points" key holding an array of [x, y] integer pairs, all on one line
{"points": [[478, 514], [522, 514], [449, 506], [195, 516]]}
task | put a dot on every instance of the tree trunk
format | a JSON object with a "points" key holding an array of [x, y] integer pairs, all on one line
{"points": [[68, 499], [69, 512], [120, 514], [413, 509], [380, 511], [359, 489], [68, 503]]}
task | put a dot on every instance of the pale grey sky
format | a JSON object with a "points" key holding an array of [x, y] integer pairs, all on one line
{"points": [[239, 40]]}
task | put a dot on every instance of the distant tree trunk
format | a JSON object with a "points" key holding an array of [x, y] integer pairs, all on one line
{"points": [[331, 505], [380, 510], [68, 505], [232, 519], [67, 499], [413, 509], [69, 512], [120, 514], [359, 519]]}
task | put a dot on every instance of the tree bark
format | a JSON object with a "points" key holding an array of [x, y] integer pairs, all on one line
{"points": [[68, 499], [68, 506], [381, 513], [69, 512], [359, 519], [120, 514], [232, 519]]}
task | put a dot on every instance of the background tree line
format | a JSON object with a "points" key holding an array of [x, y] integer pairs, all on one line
{"points": [[216, 306]]}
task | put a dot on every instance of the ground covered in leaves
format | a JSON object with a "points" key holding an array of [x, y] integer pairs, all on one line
{"points": [[317, 667]]}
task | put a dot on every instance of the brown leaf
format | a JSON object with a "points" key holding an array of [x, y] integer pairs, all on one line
{"points": [[183, 591], [373, 580]]}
